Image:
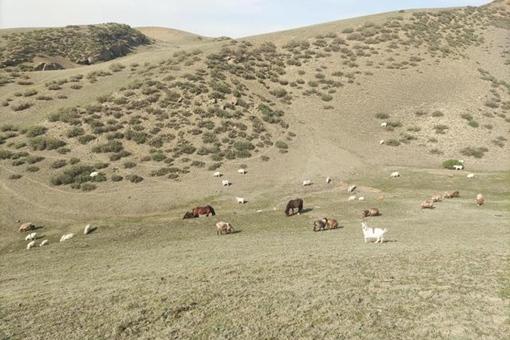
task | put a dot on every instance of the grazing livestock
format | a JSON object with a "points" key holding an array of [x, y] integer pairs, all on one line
{"points": [[292, 205], [370, 212], [223, 228], [242, 171], [88, 229], [351, 188], [427, 204], [352, 198], [451, 194], [307, 182], [31, 236], [225, 183], [94, 174], [44, 243], [30, 245], [384, 124], [381, 142], [470, 176], [480, 200], [369, 233], [328, 180], [196, 212], [436, 198], [330, 223], [319, 225], [395, 174], [217, 174], [240, 200], [458, 167], [361, 198], [26, 227], [66, 237]]}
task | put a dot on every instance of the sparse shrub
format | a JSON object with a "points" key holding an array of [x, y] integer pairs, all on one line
{"points": [[86, 138], [111, 146], [117, 178], [21, 106], [75, 132], [88, 187], [45, 143], [129, 165], [392, 142], [450, 163], [58, 164], [440, 129], [15, 176], [382, 115], [420, 113], [473, 123], [35, 131], [281, 145], [477, 152], [437, 114], [33, 169], [134, 178], [326, 97], [75, 174]]}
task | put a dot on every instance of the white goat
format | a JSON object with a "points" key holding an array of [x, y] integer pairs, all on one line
{"points": [[352, 198], [44, 243], [242, 171], [240, 200], [94, 174], [373, 233], [470, 176], [328, 180], [384, 124], [225, 183], [361, 198], [31, 236], [381, 142], [395, 174], [66, 237], [307, 182], [30, 245], [217, 174], [458, 167]]}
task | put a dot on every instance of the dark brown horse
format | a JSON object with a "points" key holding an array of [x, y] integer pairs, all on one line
{"points": [[294, 204], [196, 212]]}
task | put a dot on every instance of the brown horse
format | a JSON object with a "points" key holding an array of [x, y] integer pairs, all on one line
{"points": [[294, 204], [196, 212]]}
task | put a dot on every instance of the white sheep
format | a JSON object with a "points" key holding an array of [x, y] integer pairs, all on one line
{"points": [[225, 183], [384, 124], [381, 142], [352, 198], [373, 233], [361, 198], [242, 171], [458, 167], [217, 174], [30, 245], [328, 180], [66, 237], [31, 236], [307, 182], [470, 176], [44, 243], [94, 174], [240, 200], [88, 229], [395, 174]]}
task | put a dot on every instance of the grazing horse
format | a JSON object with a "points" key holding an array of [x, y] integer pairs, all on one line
{"points": [[196, 212], [294, 204]]}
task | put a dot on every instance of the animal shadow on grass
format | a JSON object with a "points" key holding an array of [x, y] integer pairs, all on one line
{"points": [[38, 227], [306, 210], [236, 231]]}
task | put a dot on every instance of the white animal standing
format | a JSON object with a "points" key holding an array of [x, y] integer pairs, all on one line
{"points": [[217, 174], [328, 180], [225, 183], [395, 174], [31, 236], [66, 237], [470, 176], [242, 171], [240, 200], [369, 233], [381, 142], [44, 243], [458, 167], [352, 198], [307, 182], [361, 198], [94, 174], [384, 124], [30, 245]]}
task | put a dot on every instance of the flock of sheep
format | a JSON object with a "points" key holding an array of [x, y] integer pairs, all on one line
{"points": [[33, 236]]}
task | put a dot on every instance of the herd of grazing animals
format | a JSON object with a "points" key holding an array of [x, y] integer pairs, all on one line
{"points": [[294, 206]]}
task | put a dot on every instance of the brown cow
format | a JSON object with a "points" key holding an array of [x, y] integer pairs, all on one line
{"points": [[370, 212], [26, 227]]}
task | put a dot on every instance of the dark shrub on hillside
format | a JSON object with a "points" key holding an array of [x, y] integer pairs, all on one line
{"points": [[74, 174], [111, 146], [449, 163], [45, 143], [35, 131]]}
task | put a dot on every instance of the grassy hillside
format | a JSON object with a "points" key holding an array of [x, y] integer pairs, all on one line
{"points": [[353, 100]]}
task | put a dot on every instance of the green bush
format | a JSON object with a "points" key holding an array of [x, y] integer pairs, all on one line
{"points": [[392, 142], [35, 131], [117, 178], [382, 115], [477, 152], [134, 178], [45, 143], [281, 145], [75, 174], [88, 187], [449, 163], [111, 146], [58, 164]]}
